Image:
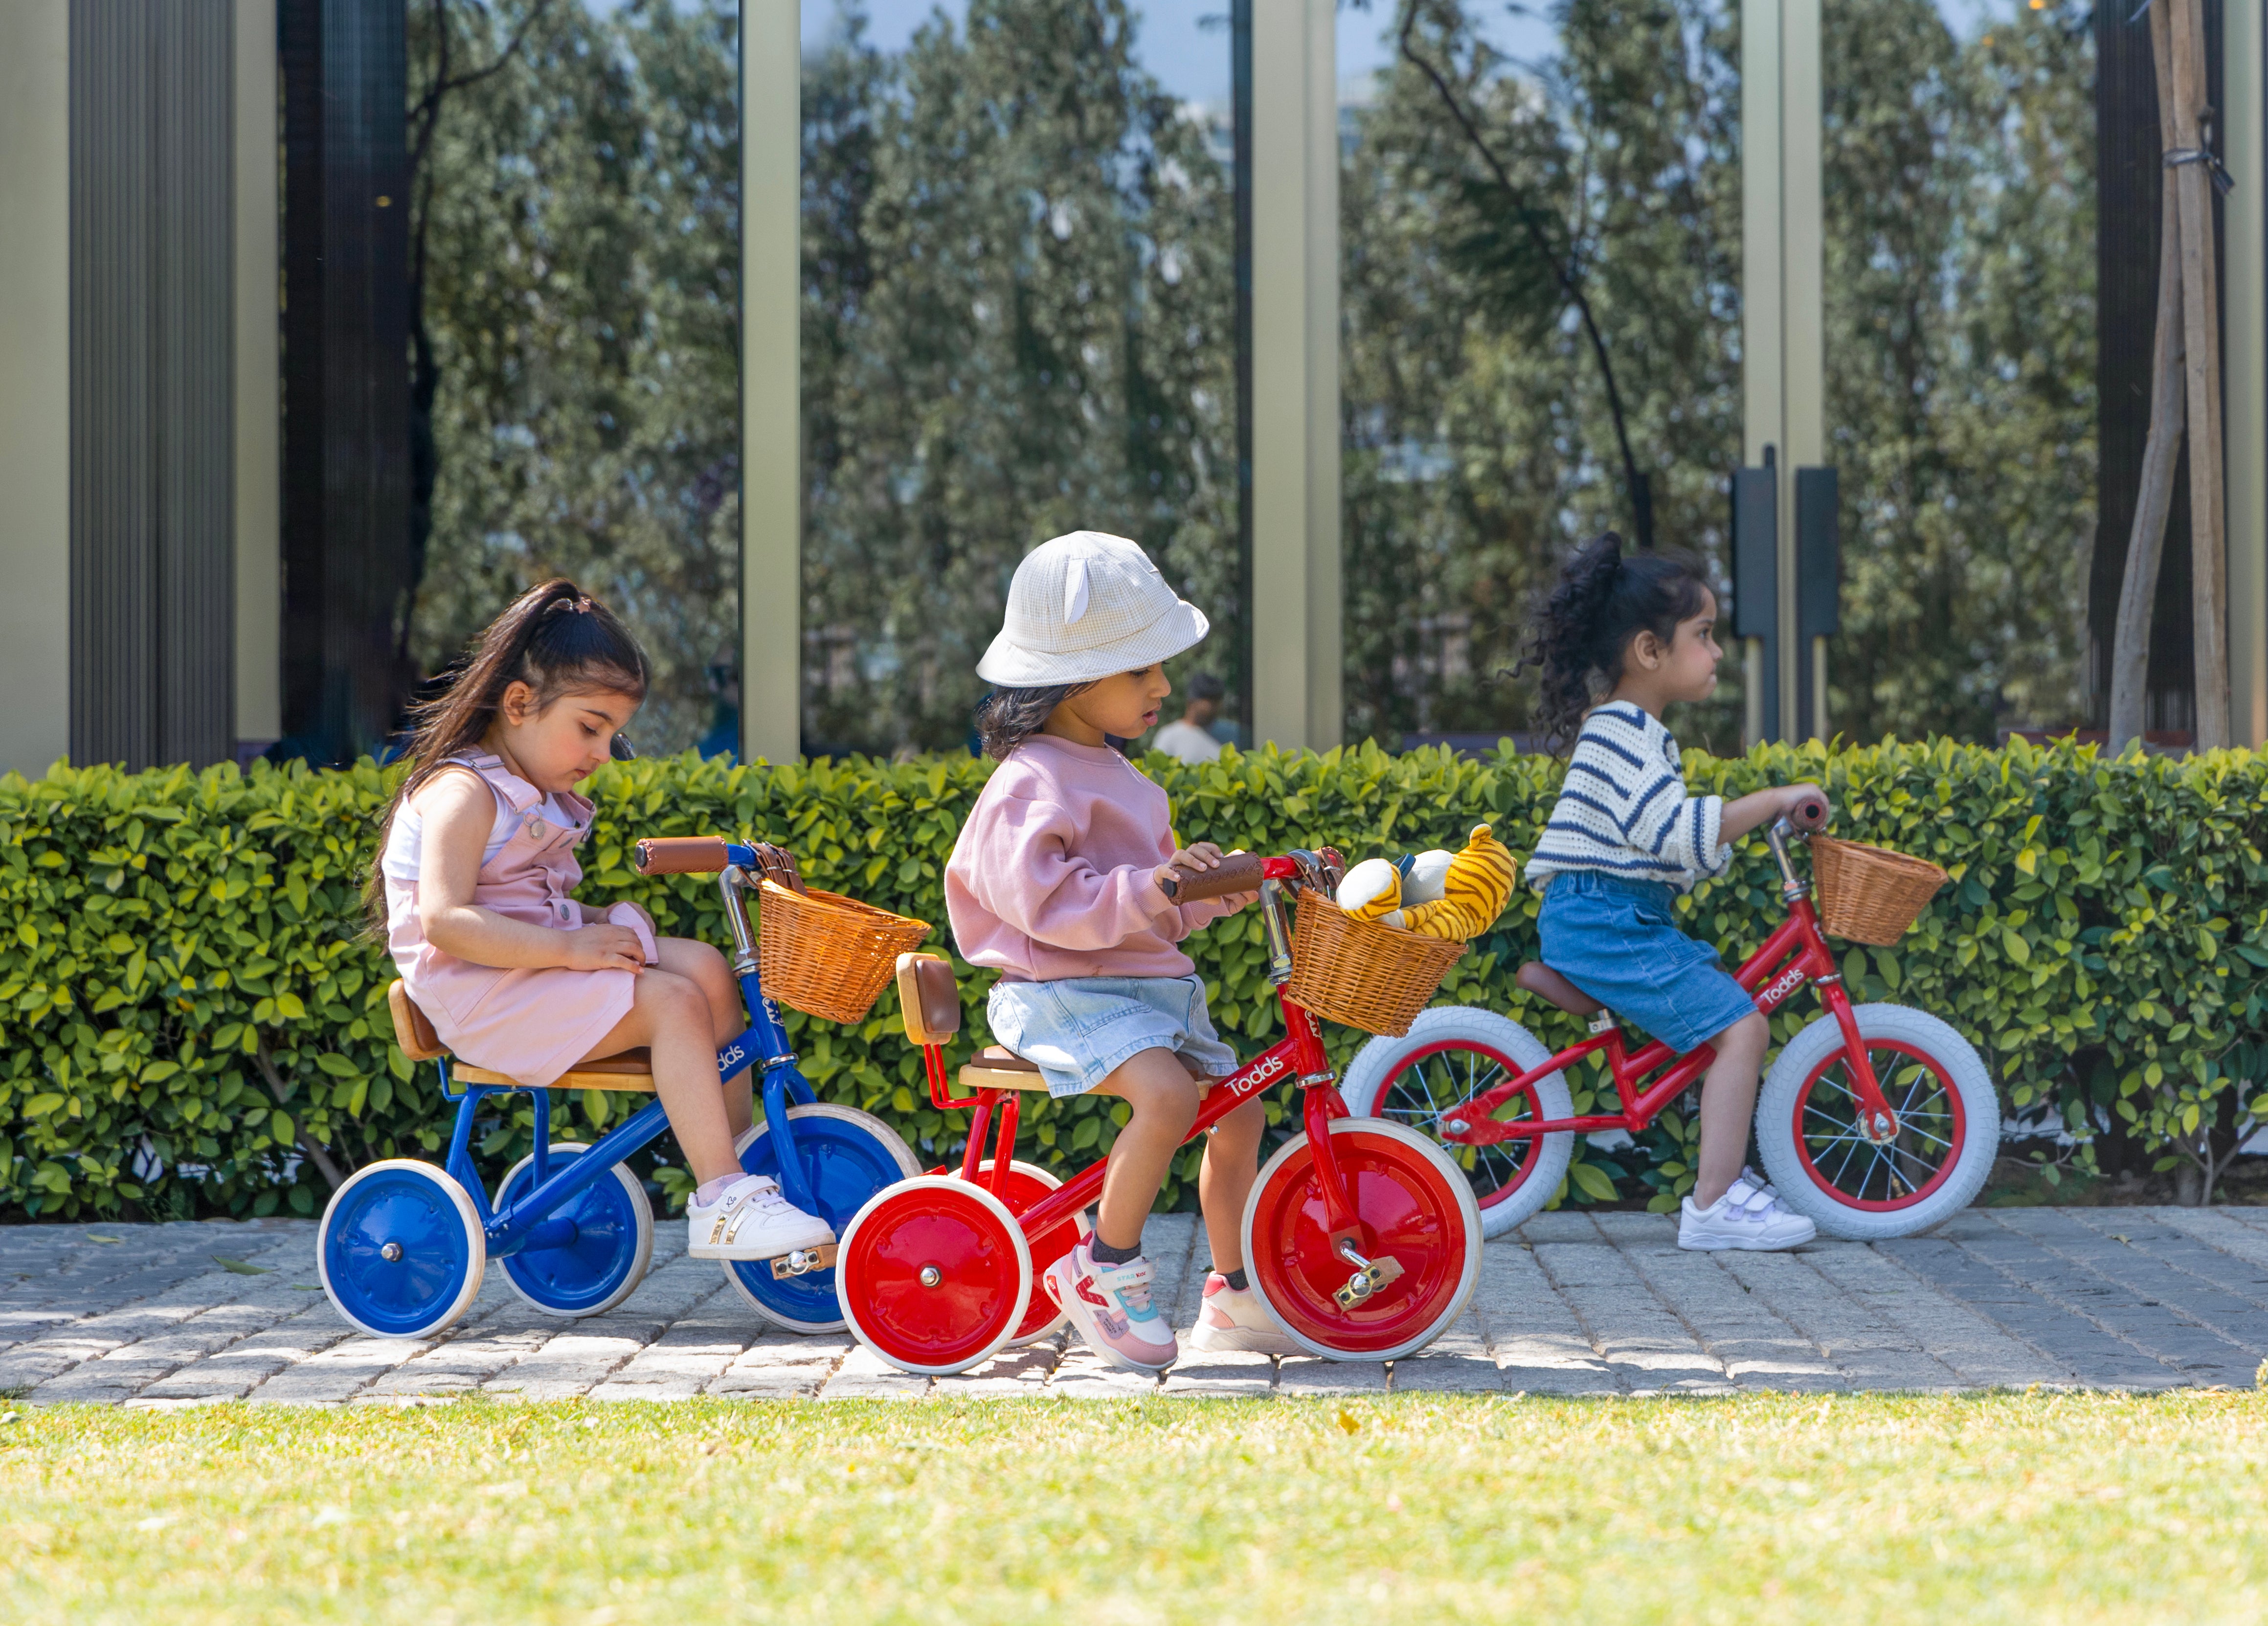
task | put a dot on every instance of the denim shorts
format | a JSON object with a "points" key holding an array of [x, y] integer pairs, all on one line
{"points": [[1080, 1030], [1618, 941]]}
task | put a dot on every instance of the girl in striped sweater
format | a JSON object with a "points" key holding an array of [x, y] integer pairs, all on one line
{"points": [[1619, 639]]}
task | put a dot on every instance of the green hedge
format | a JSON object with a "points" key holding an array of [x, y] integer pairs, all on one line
{"points": [[188, 998]]}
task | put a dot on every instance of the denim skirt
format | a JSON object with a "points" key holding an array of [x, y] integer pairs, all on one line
{"points": [[1080, 1030], [1618, 941]]}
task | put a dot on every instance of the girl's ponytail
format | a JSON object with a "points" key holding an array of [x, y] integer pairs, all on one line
{"points": [[554, 638], [1601, 601]]}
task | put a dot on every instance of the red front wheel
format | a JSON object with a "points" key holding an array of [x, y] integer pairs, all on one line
{"points": [[1421, 1242], [1850, 1183], [933, 1275]]}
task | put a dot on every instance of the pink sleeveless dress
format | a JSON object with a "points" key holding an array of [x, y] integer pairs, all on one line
{"points": [[531, 1024]]}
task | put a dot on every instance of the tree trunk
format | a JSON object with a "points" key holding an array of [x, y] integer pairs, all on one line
{"points": [[2138, 590], [2201, 335]]}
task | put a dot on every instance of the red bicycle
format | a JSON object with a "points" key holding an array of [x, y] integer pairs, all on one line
{"points": [[1360, 1236], [1875, 1120]]}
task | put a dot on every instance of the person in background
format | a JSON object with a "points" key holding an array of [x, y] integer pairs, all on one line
{"points": [[1190, 739]]}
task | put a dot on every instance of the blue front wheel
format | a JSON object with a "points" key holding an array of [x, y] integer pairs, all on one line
{"points": [[401, 1250], [848, 1156], [603, 1260]]}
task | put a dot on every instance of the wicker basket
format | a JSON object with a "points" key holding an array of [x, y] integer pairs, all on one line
{"points": [[829, 955], [1377, 978], [1870, 894]]}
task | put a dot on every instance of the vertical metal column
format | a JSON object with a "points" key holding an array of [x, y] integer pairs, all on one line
{"points": [[259, 382], [1296, 636], [35, 382], [771, 389], [152, 451], [2245, 373], [346, 382], [1783, 384]]}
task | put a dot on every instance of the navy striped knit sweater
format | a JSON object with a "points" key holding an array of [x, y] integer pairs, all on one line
{"points": [[1623, 808]]}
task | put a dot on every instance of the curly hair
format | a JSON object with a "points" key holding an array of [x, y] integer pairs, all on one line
{"points": [[1586, 623]]}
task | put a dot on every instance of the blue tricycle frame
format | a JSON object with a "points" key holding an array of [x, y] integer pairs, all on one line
{"points": [[402, 1252]]}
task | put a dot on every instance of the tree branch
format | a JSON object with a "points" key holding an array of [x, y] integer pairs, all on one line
{"points": [[308, 1149], [1563, 269]]}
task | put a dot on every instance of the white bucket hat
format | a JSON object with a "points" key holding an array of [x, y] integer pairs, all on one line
{"points": [[1083, 607]]}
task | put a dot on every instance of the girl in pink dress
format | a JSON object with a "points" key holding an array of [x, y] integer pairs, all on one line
{"points": [[477, 868]]}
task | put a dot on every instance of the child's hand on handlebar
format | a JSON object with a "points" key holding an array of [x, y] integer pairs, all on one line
{"points": [[1194, 860], [601, 947]]}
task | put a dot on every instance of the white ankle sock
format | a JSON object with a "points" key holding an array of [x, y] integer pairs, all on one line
{"points": [[709, 1191]]}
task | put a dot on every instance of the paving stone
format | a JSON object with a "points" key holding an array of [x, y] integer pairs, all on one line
{"points": [[864, 1375], [1457, 1362], [2147, 1270], [1221, 1373], [1577, 1303], [780, 1382], [230, 1374], [1534, 1335], [1756, 1348], [1643, 1342], [2221, 1228], [575, 1362], [1307, 1375], [336, 1375], [2243, 1276], [1566, 1225], [1870, 1349], [1082, 1374], [2138, 1318], [1009, 1373], [2087, 1355]]}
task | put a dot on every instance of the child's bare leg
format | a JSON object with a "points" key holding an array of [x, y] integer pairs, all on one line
{"points": [[1163, 1102], [701, 964], [670, 1017], [1728, 1101], [1232, 1163]]}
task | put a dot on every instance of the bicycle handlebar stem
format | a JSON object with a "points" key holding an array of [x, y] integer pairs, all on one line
{"points": [[1777, 836], [733, 884], [1279, 936]]}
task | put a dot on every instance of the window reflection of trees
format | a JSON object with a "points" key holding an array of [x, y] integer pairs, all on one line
{"points": [[1960, 277], [1019, 314]]}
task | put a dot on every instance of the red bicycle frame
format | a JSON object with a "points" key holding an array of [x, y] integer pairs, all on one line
{"points": [[1298, 1056], [1793, 955]]}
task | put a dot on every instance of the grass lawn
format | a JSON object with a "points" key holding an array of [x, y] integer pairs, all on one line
{"points": [[1409, 1510]]}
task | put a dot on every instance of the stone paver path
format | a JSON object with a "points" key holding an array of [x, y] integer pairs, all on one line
{"points": [[2135, 1298]]}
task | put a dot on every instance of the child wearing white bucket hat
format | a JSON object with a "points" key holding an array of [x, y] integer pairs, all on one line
{"points": [[1055, 882]]}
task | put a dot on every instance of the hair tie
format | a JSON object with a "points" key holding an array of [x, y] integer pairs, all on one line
{"points": [[580, 604]]}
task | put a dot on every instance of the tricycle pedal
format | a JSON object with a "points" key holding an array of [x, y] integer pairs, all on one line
{"points": [[803, 1260], [1373, 1275]]}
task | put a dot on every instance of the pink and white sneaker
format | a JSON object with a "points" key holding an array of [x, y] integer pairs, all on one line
{"points": [[1232, 1320], [1110, 1305]]}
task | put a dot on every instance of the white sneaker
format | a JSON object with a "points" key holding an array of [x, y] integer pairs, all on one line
{"points": [[1234, 1320], [1747, 1216], [750, 1219]]}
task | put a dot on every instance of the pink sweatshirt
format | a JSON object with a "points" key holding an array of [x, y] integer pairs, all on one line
{"points": [[1054, 874]]}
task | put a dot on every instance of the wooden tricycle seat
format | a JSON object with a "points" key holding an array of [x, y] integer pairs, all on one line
{"points": [[413, 1031]]}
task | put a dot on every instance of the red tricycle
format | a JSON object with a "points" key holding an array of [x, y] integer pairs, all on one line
{"points": [[1360, 1235], [1876, 1120]]}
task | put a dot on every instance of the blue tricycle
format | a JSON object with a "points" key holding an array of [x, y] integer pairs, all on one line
{"points": [[404, 1245]]}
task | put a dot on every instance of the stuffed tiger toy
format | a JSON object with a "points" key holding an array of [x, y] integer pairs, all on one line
{"points": [[1474, 893]]}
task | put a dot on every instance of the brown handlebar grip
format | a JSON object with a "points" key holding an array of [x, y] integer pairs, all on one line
{"points": [[682, 855], [1811, 814], [1238, 872]]}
